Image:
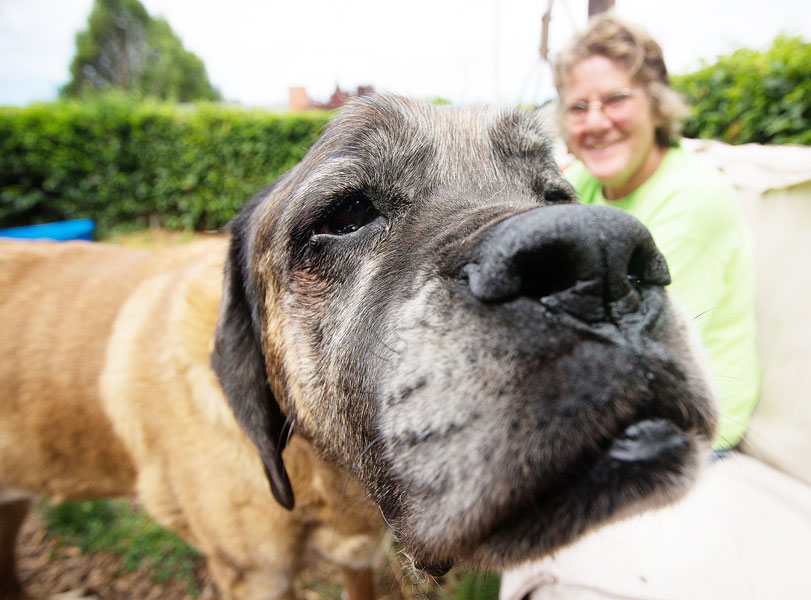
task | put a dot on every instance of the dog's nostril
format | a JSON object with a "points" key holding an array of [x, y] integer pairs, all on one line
{"points": [[647, 266], [532, 272], [636, 267], [547, 270]]}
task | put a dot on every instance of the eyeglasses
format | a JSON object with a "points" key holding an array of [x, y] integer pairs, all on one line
{"points": [[612, 105]]}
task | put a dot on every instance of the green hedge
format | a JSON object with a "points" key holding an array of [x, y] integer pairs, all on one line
{"points": [[130, 164], [751, 96]]}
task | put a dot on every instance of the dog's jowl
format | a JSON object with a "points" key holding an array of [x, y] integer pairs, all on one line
{"points": [[421, 303]]}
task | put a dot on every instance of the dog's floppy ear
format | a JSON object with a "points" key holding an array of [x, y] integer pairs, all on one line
{"points": [[239, 362]]}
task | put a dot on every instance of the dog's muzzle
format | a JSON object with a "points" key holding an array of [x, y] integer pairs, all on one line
{"points": [[579, 393]]}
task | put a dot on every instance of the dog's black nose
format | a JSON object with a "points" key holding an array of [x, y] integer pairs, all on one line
{"points": [[599, 251]]}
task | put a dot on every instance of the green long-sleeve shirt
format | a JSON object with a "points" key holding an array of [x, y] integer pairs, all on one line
{"points": [[693, 214]]}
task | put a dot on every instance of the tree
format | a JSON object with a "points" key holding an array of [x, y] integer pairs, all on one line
{"points": [[124, 48]]}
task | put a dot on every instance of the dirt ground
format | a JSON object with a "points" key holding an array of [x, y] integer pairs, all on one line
{"points": [[50, 570], [57, 572]]}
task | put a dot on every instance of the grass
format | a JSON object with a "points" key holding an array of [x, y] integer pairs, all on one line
{"points": [[469, 584], [119, 527], [151, 239]]}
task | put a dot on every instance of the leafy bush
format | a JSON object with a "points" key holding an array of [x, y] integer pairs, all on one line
{"points": [[123, 162], [751, 96]]}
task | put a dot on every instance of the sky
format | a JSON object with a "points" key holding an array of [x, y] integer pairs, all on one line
{"points": [[467, 51]]}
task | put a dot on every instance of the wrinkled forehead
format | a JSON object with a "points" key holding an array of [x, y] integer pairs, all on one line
{"points": [[395, 143], [409, 152]]}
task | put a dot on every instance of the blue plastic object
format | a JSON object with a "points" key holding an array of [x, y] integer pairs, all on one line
{"points": [[77, 229]]}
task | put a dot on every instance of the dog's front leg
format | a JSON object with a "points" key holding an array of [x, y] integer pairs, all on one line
{"points": [[358, 583], [13, 509]]}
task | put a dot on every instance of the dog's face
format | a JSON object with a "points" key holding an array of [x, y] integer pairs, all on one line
{"points": [[501, 368]]}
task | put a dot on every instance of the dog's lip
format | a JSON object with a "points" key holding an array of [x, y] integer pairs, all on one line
{"points": [[647, 448], [647, 440]]}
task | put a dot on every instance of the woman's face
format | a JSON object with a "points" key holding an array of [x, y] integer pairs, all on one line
{"points": [[610, 125]]}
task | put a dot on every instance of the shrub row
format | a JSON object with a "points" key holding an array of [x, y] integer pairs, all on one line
{"points": [[128, 163], [752, 96]]}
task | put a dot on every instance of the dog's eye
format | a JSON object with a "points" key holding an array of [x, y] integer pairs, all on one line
{"points": [[352, 213], [557, 194]]}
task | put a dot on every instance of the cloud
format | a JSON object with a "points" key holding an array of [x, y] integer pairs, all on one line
{"points": [[464, 50]]}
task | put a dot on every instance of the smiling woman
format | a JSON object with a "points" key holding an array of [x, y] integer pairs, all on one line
{"points": [[617, 141], [619, 117]]}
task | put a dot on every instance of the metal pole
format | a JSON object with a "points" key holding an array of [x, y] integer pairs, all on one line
{"points": [[545, 31], [599, 6]]}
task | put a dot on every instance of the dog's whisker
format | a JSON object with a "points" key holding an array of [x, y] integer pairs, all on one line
{"points": [[498, 192], [286, 431], [390, 348], [355, 463], [290, 429], [340, 503], [386, 519]]}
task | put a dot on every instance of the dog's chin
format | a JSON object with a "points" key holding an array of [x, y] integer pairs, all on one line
{"points": [[650, 464]]}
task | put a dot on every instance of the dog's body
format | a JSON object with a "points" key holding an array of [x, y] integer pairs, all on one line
{"points": [[420, 301], [108, 392]]}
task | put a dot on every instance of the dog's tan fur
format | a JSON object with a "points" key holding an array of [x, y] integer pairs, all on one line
{"points": [[421, 301], [107, 391]]}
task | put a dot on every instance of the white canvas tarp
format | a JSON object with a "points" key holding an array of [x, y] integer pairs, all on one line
{"points": [[745, 531], [774, 185]]}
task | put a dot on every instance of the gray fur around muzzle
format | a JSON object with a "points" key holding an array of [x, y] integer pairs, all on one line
{"points": [[500, 367], [567, 397]]}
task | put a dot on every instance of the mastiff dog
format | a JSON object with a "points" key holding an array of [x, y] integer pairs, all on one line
{"points": [[417, 324]]}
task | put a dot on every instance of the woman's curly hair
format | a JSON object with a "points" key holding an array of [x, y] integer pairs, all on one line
{"points": [[639, 54]]}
